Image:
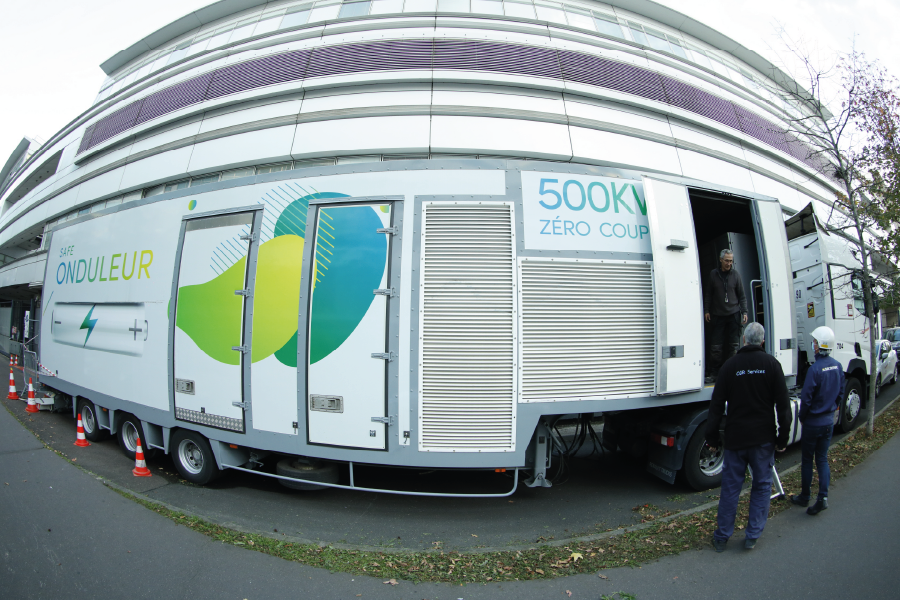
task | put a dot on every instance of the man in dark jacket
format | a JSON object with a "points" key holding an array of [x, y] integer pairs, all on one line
{"points": [[725, 305], [822, 392], [752, 382]]}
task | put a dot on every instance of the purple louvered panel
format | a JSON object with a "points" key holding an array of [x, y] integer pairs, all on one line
{"points": [[86, 139], [171, 99], [518, 59], [757, 127], [680, 94], [717, 109], [388, 55], [114, 124], [601, 72], [473, 55], [455, 54], [270, 70]]}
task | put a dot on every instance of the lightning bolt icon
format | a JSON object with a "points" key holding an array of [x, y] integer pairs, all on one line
{"points": [[88, 324]]}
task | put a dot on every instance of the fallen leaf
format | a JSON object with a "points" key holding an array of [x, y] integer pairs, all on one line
{"points": [[390, 581], [473, 535], [602, 576], [539, 571], [568, 593], [576, 556]]}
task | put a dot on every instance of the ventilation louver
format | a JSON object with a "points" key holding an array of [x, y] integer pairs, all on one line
{"points": [[467, 372], [586, 330]]}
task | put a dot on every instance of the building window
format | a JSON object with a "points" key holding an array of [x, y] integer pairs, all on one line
{"points": [[354, 9], [236, 173], [177, 185], [296, 15]]}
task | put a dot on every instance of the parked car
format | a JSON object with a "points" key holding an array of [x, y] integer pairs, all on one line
{"points": [[887, 364], [893, 336]]}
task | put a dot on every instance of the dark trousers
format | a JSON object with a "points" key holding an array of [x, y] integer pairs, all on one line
{"points": [[760, 459], [814, 442], [724, 337]]}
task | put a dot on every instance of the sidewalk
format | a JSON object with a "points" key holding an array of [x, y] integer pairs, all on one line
{"points": [[66, 535]]}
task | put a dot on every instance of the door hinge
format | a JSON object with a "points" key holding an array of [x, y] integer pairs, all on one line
{"points": [[673, 352], [386, 420], [249, 237], [244, 293], [391, 230], [391, 292], [388, 356], [243, 349], [244, 405]]}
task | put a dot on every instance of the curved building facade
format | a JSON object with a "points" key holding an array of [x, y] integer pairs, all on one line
{"points": [[455, 120]]}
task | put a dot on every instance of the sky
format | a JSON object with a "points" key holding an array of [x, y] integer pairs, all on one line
{"points": [[52, 49]]}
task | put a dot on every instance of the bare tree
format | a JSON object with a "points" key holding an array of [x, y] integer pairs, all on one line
{"points": [[858, 149]]}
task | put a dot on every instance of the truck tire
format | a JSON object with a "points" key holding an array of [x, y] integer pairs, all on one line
{"points": [[90, 423], [702, 468], [848, 413], [306, 468], [193, 457], [127, 432]]}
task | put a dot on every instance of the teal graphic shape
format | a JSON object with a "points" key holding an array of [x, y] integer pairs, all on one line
{"points": [[350, 263], [88, 324]]}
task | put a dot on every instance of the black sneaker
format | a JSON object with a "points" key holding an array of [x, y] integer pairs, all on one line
{"points": [[749, 544], [719, 545], [818, 507], [798, 500]]}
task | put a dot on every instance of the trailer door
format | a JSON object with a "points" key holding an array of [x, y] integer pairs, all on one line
{"points": [[347, 348], [778, 285], [676, 280], [214, 289]]}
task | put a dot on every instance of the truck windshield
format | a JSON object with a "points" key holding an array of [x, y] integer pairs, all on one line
{"points": [[892, 335]]}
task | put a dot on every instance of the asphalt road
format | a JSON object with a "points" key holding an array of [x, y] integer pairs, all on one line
{"points": [[64, 535], [598, 493]]}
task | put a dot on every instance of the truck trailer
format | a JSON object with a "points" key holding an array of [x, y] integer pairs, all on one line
{"points": [[445, 314]]}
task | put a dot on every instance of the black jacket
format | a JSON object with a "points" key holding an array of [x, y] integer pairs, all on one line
{"points": [[752, 382], [723, 285]]}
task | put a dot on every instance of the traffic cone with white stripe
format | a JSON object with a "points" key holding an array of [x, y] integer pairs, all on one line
{"points": [[140, 465], [32, 405], [13, 394], [80, 440]]}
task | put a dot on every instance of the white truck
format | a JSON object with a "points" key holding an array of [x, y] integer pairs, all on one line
{"points": [[434, 315]]}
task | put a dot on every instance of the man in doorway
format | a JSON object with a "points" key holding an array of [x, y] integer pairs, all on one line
{"points": [[822, 392], [752, 382], [725, 306]]}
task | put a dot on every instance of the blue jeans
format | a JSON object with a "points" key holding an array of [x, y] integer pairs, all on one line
{"points": [[814, 442], [760, 459]]}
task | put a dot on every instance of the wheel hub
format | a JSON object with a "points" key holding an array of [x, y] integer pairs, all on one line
{"points": [[852, 404], [191, 456], [130, 436], [711, 462], [87, 419]]}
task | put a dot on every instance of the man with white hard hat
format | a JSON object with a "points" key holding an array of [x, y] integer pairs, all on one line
{"points": [[821, 396]]}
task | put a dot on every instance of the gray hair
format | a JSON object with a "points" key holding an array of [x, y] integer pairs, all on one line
{"points": [[724, 252], [754, 334]]}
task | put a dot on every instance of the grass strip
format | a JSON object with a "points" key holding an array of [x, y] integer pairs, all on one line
{"points": [[632, 548]]}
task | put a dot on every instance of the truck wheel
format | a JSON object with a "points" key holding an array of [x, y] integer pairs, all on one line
{"points": [[89, 421], [894, 375], [702, 467], [849, 410], [306, 468], [193, 457], [127, 432]]}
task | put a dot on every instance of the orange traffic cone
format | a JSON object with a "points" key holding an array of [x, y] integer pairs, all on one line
{"points": [[32, 405], [80, 439], [13, 395], [140, 465]]}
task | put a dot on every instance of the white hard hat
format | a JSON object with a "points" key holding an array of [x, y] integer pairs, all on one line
{"points": [[824, 337]]}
